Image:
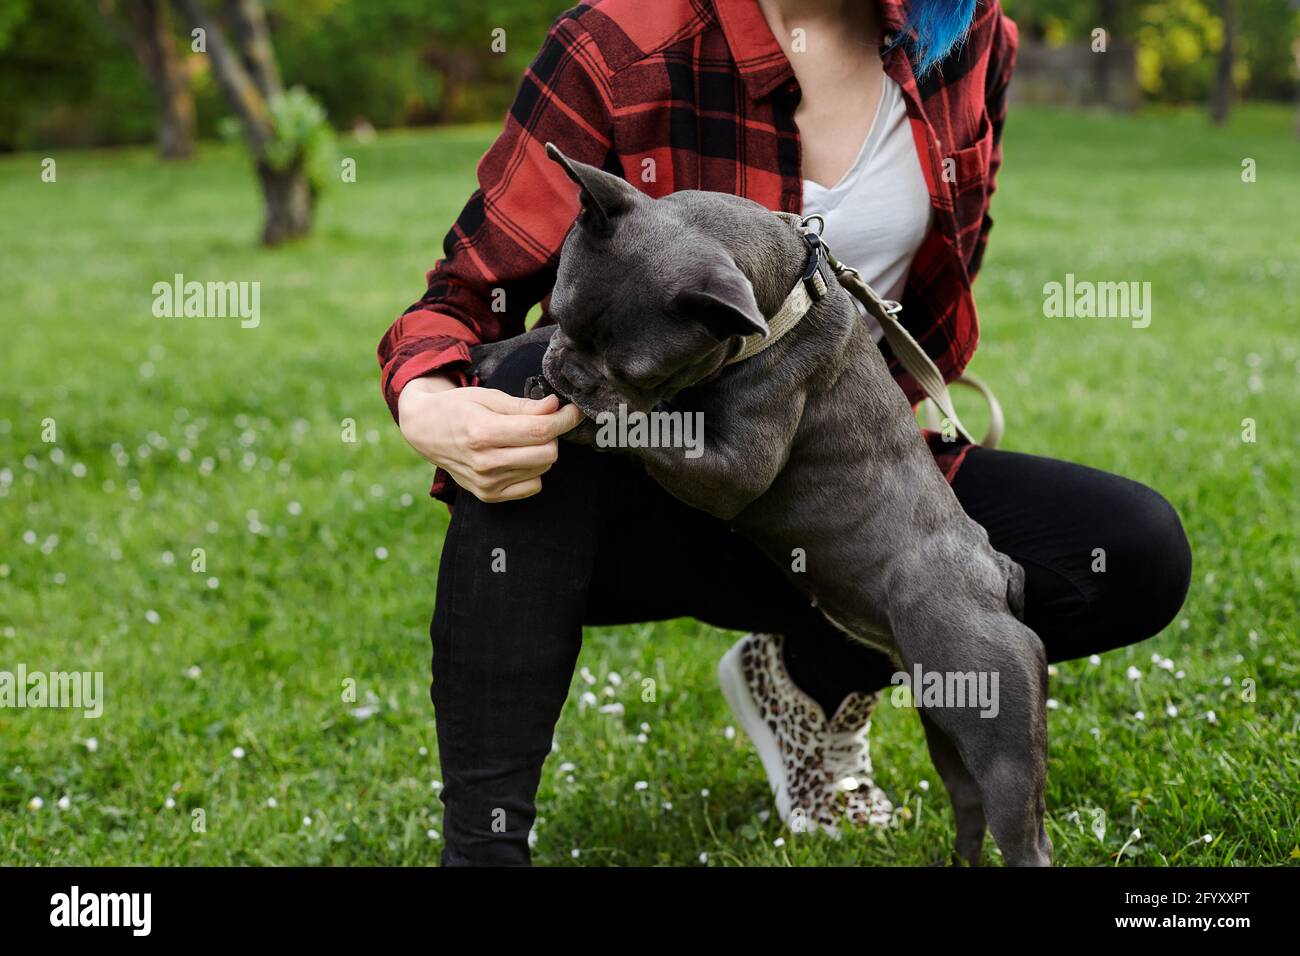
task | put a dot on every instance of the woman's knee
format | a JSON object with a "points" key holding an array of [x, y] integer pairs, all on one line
{"points": [[1149, 567]]}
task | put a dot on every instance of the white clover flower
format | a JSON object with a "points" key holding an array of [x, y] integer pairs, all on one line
{"points": [[35, 803], [704, 858], [1094, 660], [1052, 703], [1140, 715], [1132, 673], [615, 678], [1171, 710], [194, 672], [64, 802], [237, 753], [152, 616], [92, 744], [567, 767], [778, 842], [433, 835], [306, 821], [729, 732], [640, 785], [1211, 716], [381, 553], [924, 784], [575, 853], [271, 803], [614, 710]]}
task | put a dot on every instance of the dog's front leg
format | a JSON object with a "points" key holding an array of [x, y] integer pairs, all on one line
{"points": [[739, 454]]}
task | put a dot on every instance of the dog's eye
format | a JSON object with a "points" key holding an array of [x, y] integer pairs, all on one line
{"points": [[646, 382], [640, 373]]}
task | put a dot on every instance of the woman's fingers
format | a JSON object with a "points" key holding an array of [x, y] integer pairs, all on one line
{"points": [[525, 461], [535, 429], [504, 403], [518, 421], [520, 489]]}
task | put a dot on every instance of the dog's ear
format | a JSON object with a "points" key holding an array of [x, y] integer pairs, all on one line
{"points": [[723, 302], [604, 196]]}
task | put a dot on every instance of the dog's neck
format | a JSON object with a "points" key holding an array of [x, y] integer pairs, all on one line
{"points": [[773, 257]]}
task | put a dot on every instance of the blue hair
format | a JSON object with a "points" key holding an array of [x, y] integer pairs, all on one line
{"points": [[940, 26]]}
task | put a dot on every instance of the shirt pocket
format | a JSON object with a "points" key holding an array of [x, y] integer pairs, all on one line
{"points": [[967, 176]]}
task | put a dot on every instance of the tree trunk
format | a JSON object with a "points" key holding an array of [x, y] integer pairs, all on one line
{"points": [[1221, 102], [175, 111], [145, 28], [246, 70], [1103, 62], [457, 69], [289, 200]]}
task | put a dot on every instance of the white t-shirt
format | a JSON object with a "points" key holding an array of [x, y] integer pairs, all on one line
{"points": [[879, 213]]}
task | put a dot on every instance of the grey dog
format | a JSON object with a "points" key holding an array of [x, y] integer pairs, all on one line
{"points": [[812, 452]]}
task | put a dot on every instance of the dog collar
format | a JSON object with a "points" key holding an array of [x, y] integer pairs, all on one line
{"points": [[810, 288]]}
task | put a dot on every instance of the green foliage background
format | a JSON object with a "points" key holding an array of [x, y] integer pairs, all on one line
{"points": [[66, 81]]}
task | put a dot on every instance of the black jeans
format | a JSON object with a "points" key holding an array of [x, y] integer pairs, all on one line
{"points": [[603, 544]]}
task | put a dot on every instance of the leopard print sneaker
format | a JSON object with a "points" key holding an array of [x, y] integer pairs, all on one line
{"points": [[819, 769]]}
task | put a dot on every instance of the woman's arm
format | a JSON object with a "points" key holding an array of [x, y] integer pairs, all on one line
{"points": [[499, 261], [1002, 61], [499, 258]]}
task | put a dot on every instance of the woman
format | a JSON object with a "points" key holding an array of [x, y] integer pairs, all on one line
{"points": [[885, 117]]}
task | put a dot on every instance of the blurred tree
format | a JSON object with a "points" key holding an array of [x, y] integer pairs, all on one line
{"points": [[283, 131], [144, 27], [1224, 81]]}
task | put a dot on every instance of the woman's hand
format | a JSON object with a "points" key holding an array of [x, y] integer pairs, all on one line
{"points": [[496, 446]]}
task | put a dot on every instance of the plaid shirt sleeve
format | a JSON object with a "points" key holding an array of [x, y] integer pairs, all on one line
{"points": [[499, 258], [1002, 61]]}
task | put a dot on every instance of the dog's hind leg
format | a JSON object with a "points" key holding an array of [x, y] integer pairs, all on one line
{"points": [[962, 791], [1004, 751]]}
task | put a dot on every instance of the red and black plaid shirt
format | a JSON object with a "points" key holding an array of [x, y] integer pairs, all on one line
{"points": [[702, 88]]}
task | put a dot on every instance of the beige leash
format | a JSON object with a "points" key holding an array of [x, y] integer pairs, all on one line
{"points": [[917, 363], [909, 352]]}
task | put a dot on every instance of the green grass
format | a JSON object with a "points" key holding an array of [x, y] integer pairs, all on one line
{"points": [[304, 601]]}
